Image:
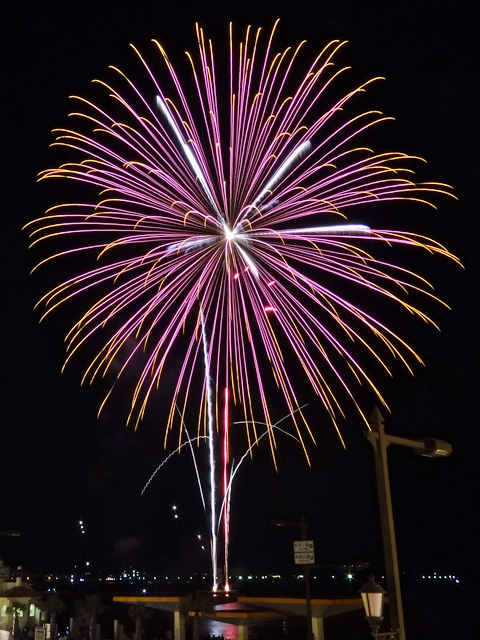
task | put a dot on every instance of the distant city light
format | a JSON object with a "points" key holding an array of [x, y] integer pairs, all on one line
{"points": [[146, 581]]}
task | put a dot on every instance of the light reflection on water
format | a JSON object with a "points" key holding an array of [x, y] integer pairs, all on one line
{"points": [[275, 630], [218, 629]]}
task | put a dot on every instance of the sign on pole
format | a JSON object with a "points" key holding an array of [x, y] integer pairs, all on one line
{"points": [[304, 552]]}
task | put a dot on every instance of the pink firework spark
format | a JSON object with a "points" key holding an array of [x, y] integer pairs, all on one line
{"points": [[229, 200]]}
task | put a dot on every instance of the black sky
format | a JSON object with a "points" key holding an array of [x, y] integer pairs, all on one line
{"points": [[60, 464]]}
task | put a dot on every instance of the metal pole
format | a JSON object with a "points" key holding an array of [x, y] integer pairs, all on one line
{"points": [[380, 443], [308, 592], [308, 597], [303, 526]]}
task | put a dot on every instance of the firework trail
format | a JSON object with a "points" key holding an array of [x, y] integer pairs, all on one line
{"points": [[224, 512], [228, 474], [187, 443], [211, 454], [224, 204]]}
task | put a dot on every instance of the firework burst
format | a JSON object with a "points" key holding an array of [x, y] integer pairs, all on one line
{"points": [[224, 206]]}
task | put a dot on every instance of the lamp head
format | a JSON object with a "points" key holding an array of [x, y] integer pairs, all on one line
{"points": [[434, 448], [372, 597]]}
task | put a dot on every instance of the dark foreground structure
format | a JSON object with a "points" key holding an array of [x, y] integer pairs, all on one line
{"points": [[244, 611]]}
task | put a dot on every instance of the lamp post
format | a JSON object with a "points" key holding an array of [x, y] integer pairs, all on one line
{"points": [[373, 598], [428, 447], [303, 526]]}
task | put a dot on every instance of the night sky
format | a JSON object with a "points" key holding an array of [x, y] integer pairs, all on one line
{"points": [[59, 464]]}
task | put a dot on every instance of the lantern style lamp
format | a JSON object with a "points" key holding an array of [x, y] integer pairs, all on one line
{"points": [[372, 597]]}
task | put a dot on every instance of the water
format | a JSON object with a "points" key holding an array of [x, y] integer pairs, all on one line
{"points": [[346, 627], [431, 613], [213, 628]]}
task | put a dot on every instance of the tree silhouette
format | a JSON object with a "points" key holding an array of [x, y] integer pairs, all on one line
{"points": [[93, 608], [54, 605], [15, 608], [139, 613], [201, 603]]}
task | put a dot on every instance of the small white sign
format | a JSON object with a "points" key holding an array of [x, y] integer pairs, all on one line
{"points": [[39, 633], [304, 558], [300, 546], [304, 552]]}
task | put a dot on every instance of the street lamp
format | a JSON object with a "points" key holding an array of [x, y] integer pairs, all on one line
{"points": [[428, 447], [373, 598], [303, 526]]}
